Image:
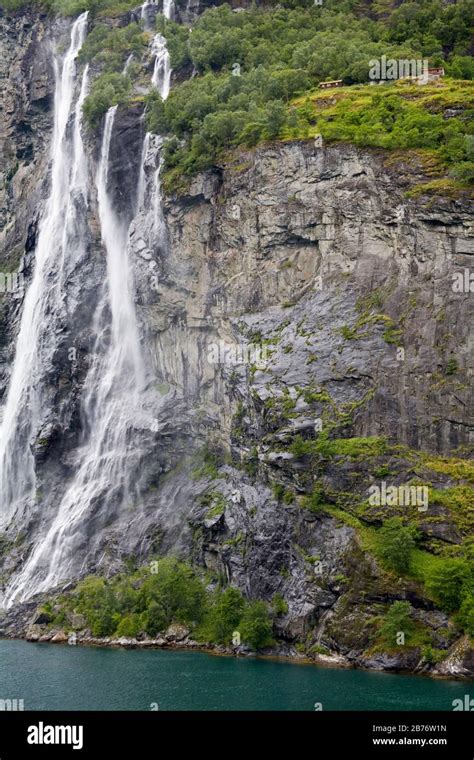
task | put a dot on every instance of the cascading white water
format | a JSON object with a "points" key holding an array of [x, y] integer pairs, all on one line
{"points": [[127, 64], [162, 68], [23, 411], [168, 7], [112, 392], [145, 15], [161, 79], [142, 176], [110, 407]]}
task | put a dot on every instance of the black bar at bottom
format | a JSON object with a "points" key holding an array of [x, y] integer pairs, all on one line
{"points": [[125, 734]]}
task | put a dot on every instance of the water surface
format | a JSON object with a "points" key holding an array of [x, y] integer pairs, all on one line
{"points": [[56, 677]]}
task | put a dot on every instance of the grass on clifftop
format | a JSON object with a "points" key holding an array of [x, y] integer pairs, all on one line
{"points": [[257, 72], [399, 116]]}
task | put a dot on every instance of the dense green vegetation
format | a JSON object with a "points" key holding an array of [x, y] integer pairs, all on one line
{"points": [[110, 89], [398, 619], [110, 47], [257, 71], [253, 64], [108, 8], [400, 116], [397, 543], [152, 598]]}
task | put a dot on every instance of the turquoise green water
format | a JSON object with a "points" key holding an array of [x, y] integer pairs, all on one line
{"points": [[55, 677]]}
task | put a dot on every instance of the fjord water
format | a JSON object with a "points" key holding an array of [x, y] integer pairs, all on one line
{"points": [[56, 677]]}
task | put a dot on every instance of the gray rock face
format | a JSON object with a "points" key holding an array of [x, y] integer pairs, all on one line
{"points": [[294, 288], [316, 231]]}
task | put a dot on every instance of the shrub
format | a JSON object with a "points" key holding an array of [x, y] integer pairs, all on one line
{"points": [[300, 447], [109, 89], [450, 583], [280, 606], [96, 601], [177, 590], [255, 626], [431, 655], [397, 620], [466, 615], [129, 626], [154, 619], [397, 543], [224, 616]]}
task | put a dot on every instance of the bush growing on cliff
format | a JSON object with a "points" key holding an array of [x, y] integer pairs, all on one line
{"points": [[111, 47], [177, 590], [397, 543], [224, 616], [452, 583], [255, 626], [397, 620], [109, 89], [466, 615]]}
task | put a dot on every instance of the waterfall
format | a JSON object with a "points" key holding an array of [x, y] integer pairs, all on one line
{"points": [[168, 8], [142, 176], [162, 70], [111, 404], [145, 14], [112, 396], [151, 151], [127, 64], [24, 410]]}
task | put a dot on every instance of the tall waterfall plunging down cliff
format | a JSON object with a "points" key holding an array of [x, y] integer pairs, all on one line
{"points": [[114, 389], [149, 193], [149, 9], [161, 71], [58, 249]]}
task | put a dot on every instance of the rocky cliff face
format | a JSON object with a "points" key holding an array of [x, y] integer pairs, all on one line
{"points": [[294, 292], [27, 88]]}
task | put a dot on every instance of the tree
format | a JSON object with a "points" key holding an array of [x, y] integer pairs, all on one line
{"points": [[154, 619], [466, 615], [256, 627], [397, 620], [96, 601], [397, 543], [224, 616], [129, 626], [275, 118], [177, 590], [449, 583]]}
